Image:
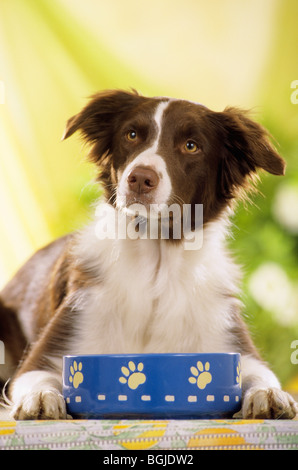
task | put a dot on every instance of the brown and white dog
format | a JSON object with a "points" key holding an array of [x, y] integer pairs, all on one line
{"points": [[96, 292]]}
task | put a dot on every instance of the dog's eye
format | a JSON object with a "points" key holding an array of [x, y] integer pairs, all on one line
{"points": [[191, 147], [132, 136]]}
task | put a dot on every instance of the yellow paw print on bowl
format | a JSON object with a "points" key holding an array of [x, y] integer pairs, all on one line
{"points": [[200, 375], [238, 376], [133, 375], [76, 377]]}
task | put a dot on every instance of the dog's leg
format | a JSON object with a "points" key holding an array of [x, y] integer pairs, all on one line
{"points": [[263, 397], [38, 395], [36, 390]]}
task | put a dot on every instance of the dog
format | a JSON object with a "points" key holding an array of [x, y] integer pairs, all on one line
{"points": [[101, 290]]}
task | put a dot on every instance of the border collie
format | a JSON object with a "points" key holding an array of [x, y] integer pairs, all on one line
{"points": [[142, 278]]}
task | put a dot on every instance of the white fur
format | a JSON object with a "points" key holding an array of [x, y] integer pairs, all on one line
{"points": [[38, 394], [156, 296], [257, 374]]}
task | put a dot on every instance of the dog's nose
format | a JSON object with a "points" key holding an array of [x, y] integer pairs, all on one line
{"points": [[142, 179]]}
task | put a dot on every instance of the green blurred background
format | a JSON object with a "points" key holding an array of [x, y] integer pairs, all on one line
{"points": [[55, 53]]}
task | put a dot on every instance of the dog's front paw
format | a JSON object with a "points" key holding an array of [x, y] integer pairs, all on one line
{"points": [[40, 405], [270, 403]]}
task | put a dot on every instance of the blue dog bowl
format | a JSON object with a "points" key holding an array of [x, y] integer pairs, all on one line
{"points": [[153, 386]]}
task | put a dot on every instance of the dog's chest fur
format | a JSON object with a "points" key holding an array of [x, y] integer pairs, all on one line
{"points": [[152, 296]]}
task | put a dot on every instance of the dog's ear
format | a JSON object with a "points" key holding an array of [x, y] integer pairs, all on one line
{"points": [[98, 119], [246, 147]]}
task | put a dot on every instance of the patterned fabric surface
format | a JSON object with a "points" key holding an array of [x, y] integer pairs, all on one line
{"points": [[149, 435]]}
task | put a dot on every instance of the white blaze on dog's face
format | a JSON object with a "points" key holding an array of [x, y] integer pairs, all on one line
{"points": [[145, 180]]}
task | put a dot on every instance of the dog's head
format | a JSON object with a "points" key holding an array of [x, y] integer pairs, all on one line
{"points": [[164, 151]]}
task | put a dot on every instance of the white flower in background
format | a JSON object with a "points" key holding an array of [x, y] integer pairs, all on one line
{"points": [[285, 207], [271, 288]]}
